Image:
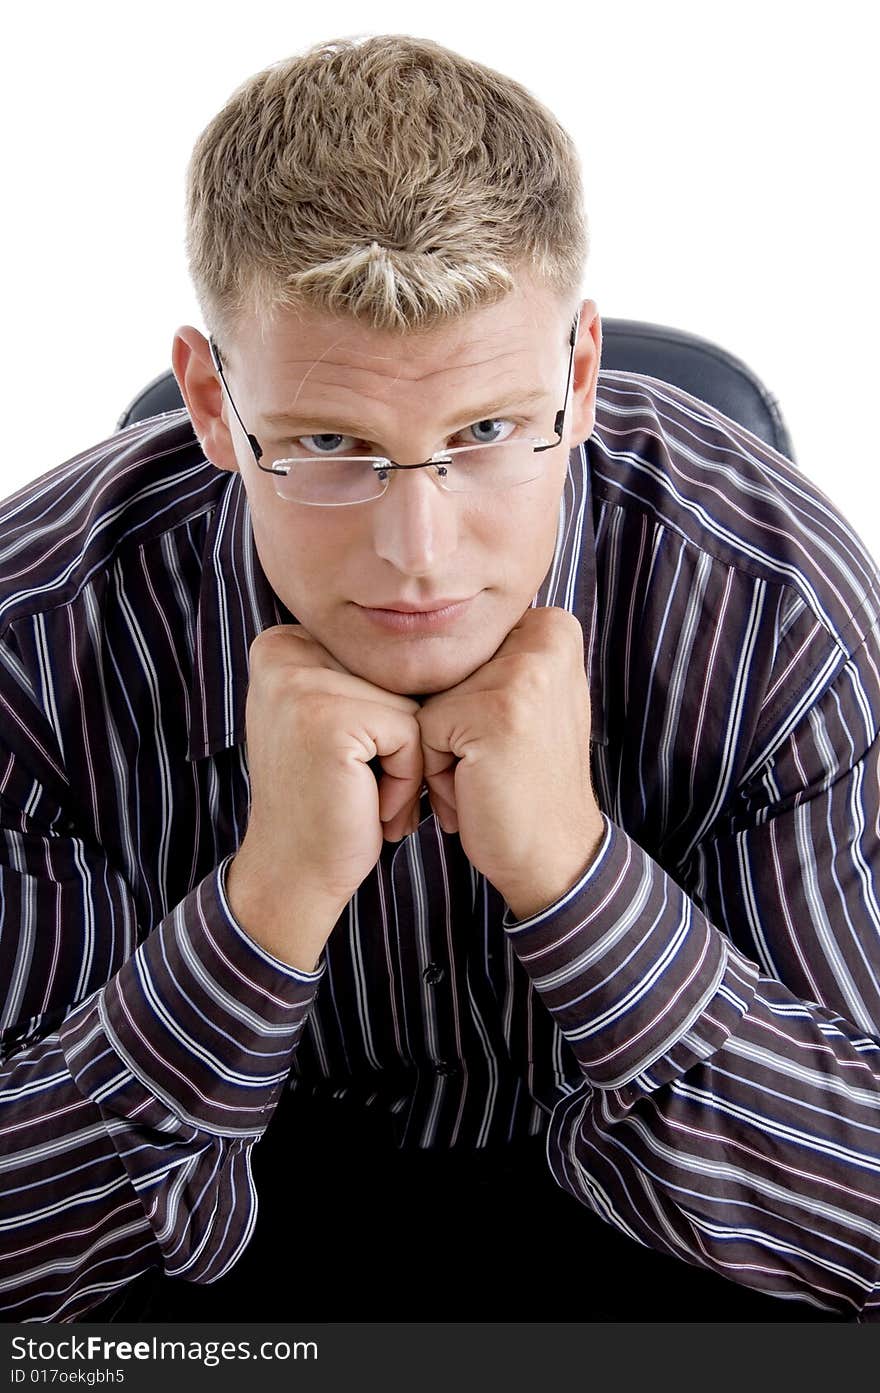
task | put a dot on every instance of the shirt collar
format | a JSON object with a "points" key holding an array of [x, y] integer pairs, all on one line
{"points": [[236, 603], [570, 582]]}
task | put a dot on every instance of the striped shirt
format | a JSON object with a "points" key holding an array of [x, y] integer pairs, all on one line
{"points": [[694, 1026]]}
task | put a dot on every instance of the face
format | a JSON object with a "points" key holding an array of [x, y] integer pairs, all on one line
{"points": [[405, 397]]}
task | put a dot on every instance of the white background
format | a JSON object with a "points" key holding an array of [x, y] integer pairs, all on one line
{"points": [[730, 166]]}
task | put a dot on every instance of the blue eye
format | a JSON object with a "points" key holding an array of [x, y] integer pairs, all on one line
{"points": [[331, 439], [493, 423]]}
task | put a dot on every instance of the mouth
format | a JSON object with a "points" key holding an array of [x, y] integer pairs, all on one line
{"points": [[418, 621]]}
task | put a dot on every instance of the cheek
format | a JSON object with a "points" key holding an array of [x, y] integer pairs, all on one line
{"points": [[296, 559], [531, 521]]}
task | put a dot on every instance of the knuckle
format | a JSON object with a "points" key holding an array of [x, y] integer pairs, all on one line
{"points": [[563, 625], [530, 689], [563, 639], [268, 636], [513, 705], [302, 689], [290, 690], [265, 653], [571, 631], [533, 675]]}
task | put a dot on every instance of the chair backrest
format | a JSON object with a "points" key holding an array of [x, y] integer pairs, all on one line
{"points": [[689, 362]]}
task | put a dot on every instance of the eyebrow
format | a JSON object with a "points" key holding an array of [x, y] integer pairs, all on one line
{"points": [[322, 417]]}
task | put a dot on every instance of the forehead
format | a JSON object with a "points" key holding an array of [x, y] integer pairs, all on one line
{"points": [[507, 343]]}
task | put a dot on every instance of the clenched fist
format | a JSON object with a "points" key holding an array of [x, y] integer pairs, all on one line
{"points": [[507, 762], [317, 816]]}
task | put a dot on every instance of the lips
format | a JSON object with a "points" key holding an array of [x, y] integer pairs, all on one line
{"points": [[420, 606], [418, 621]]}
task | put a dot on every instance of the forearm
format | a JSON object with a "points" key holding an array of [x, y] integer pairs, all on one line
{"points": [[721, 1119], [72, 1226], [127, 1134]]}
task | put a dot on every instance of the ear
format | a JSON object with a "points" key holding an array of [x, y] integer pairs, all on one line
{"points": [[202, 391], [585, 373]]}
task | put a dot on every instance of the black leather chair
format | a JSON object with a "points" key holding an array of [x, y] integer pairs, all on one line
{"points": [[695, 364]]}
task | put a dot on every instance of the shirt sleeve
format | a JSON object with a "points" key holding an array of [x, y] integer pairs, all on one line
{"points": [[127, 1120], [725, 1016]]}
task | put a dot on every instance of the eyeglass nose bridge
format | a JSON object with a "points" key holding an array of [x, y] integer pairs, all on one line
{"points": [[383, 467]]}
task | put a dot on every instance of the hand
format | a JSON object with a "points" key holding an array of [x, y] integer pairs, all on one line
{"points": [[507, 762], [315, 828]]}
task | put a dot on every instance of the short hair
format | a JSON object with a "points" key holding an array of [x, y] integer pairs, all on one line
{"points": [[385, 178]]}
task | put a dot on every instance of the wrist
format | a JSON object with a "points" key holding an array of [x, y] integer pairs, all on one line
{"points": [[551, 880], [290, 925]]}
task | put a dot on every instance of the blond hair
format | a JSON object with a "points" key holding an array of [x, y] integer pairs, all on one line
{"points": [[385, 178]]}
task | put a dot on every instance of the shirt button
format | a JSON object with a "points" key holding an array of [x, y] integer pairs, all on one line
{"points": [[433, 974], [444, 1068]]}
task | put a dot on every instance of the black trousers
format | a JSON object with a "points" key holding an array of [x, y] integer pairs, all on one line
{"points": [[351, 1228]]}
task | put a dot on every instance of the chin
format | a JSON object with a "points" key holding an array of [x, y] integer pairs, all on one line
{"points": [[415, 679], [416, 687]]}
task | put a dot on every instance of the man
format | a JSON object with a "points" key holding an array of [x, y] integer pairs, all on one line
{"points": [[485, 749]]}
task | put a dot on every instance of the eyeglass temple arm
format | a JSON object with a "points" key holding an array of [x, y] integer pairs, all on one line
{"points": [[251, 439], [560, 415]]}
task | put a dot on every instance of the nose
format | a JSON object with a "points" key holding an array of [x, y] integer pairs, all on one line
{"points": [[415, 522]]}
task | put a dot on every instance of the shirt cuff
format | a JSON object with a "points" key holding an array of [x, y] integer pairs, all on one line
{"points": [[201, 1015], [641, 985]]}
